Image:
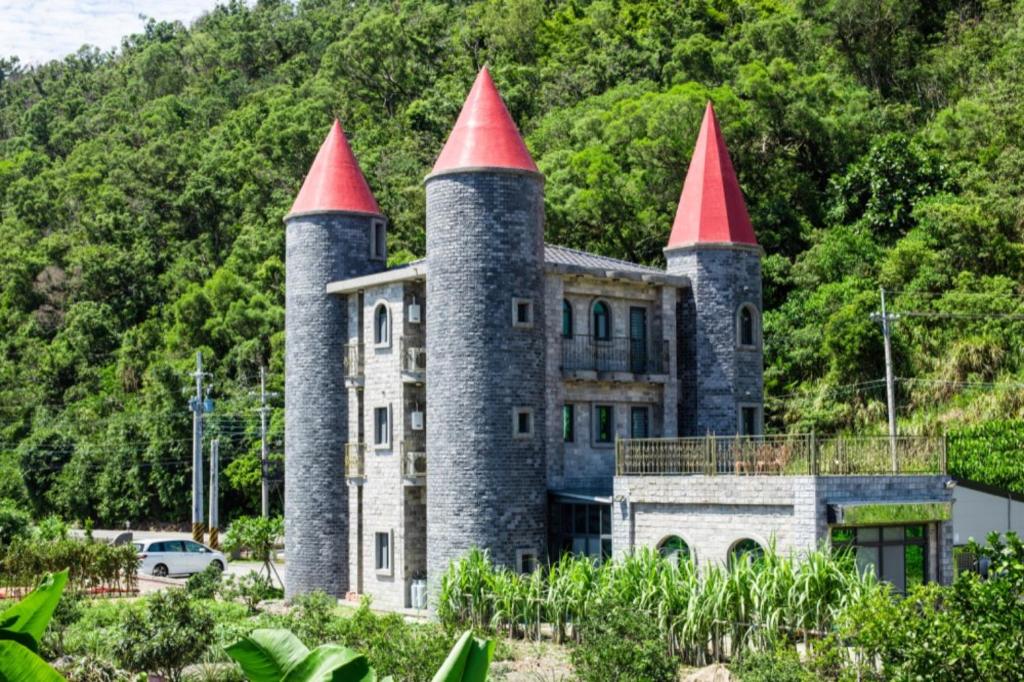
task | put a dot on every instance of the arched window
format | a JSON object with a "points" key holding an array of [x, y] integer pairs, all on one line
{"points": [[602, 321], [381, 325], [674, 548], [747, 332], [566, 319], [745, 550]]}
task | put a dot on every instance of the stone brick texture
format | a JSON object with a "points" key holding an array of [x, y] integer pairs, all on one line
{"points": [[716, 375], [319, 248], [485, 487]]}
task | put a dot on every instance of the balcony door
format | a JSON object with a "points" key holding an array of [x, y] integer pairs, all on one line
{"points": [[638, 340]]}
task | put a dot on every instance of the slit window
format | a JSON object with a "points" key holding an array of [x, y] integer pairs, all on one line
{"points": [[522, 422], [522, 312], [381, 325], [382, 426], [382, 551], [378, 240], [568, 423], [747, 326], [566, 319], [604, 426]]}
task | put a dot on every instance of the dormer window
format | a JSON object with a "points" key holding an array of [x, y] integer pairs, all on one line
{"points": [[381, 325], [378, 240]]}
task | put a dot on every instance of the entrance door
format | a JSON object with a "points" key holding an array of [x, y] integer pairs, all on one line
{"points": [[638, 340]]}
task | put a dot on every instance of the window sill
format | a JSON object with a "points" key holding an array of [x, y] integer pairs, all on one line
{"points": [[382, 346], [384, 572], [748, 348], [378, 447]]}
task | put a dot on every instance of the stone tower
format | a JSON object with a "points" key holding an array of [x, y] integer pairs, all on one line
{"points": [[486, 480], [327, 237], [713, 243]]}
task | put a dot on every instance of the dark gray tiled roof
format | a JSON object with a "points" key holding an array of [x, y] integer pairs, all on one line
{"points": [[563, 255]]}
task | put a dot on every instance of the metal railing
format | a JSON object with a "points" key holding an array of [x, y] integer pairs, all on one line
{"points": [[414, 461], [414, 358], [355, 460], [782, 455], [353, 360], [616, 354]]}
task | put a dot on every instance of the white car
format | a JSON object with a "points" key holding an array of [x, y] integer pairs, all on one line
{"points": [[175, 557]]}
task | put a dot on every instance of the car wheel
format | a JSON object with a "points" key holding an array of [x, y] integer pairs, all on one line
{"points": [[217, 563], [160, 570]]}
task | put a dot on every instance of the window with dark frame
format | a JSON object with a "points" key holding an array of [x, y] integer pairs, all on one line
{"points": [[522, 419], [382, 553], [602, 321], [381, 324], [748, 421], [522, 312], [381, 427], [897, 554], [746, 323], [639, 422], [566, 319], [604, 425], [568, 423], [378, 240], [582, 529]]}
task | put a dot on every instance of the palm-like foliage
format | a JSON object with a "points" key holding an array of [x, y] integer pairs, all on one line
{"points": [[713, 613]]}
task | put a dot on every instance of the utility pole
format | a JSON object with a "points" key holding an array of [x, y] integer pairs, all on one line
{"points": [[214, 493], [264, 453], [197, 407], [887, 319]]}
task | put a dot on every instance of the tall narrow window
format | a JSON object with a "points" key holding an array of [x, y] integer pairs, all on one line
{"points": [[382, 551], [568, 423], [381, 426], [750, 424], [378, 240], [602, 321], [604, 426], [566, 319], [747, 326], [381, 325], [639, 422]]}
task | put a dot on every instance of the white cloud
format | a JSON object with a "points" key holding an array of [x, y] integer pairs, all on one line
{"points": [[39, 30]]}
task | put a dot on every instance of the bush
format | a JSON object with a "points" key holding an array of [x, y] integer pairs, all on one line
{"points": [[254, 534], [778, 665], [250, 589], [14, 523], [94, 566], [87, 669], [50, 528], [623, 644], [169, 632], [314, 618], [206, 583]]}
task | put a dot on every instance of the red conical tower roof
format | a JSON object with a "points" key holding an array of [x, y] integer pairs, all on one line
{"points": [[484, 136], [334, 181], [711, 208]]}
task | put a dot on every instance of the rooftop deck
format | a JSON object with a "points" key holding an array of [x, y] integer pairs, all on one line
{"points": [[783, 455]]}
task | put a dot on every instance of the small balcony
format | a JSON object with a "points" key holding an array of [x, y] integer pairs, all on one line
{"points": [[414, 463], [414, 362], [353, 365], [623, 358], [355, 460], [782, 455]]}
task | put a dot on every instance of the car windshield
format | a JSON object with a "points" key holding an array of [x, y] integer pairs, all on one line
{"points": [[138, 546]]}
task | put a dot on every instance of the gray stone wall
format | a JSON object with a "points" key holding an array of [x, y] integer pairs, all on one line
{"points": [[485, 487], [319, 248], [716, 375]]}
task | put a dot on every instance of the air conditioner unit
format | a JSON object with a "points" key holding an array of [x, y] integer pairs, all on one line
{"points": [[414, 313], [417, 420]]}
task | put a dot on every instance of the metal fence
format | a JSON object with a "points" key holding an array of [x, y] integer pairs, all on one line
{"points": [[616, 354], [781, 455]]}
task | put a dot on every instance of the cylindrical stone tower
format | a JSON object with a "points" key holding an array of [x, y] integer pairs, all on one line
{"points": [[328, 235], [713, 243], [486, 469]]}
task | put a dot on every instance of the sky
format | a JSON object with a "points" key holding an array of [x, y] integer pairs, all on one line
{"points": [[39, 30]]}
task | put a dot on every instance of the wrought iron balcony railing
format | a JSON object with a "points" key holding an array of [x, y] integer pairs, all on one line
{"points": [[414, 461], [355, 460], [616, 354], [354, 361], [785, 455]]}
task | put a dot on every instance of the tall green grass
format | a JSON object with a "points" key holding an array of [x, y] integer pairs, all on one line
{"points": [[715, 613]]}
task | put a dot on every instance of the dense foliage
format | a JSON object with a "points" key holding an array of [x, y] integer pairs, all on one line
{"points": [[93, 567], [878, 142], [989, 453]]}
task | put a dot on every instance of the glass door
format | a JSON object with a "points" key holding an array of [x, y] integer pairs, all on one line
{"points": [[638, 340]]}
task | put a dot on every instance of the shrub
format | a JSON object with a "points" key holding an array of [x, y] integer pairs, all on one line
{"points": [[14, 522], [170, 631], [206, 583], [623, 644], [94, 565], [250, 589], [777, 665], [88, 669], [50, 528], [314, 617]]}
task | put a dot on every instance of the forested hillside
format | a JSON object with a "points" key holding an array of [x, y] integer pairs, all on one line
{"points": [[880, 143]]}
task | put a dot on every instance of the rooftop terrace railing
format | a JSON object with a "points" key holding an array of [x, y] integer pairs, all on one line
{"points": [[781, 455], [616, 354]]}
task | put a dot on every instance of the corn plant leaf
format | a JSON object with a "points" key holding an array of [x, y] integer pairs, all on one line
{"points": [[31, 615], [18, 664], [331, 663], [468, 660], [267, 655]]}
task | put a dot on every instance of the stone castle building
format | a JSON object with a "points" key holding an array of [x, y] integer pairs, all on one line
{"points": [[533, 399]]}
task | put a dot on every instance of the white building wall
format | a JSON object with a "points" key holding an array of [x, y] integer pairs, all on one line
{"points": [[977, 513]]}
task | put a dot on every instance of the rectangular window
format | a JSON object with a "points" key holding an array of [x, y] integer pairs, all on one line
{"points": [[639, 422], [568, 423], [378, 240], [381, 426], [749, 423], [526, 561], [896, 554], [522, 312], [382, 551], [522, 422], [604, 426]]}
